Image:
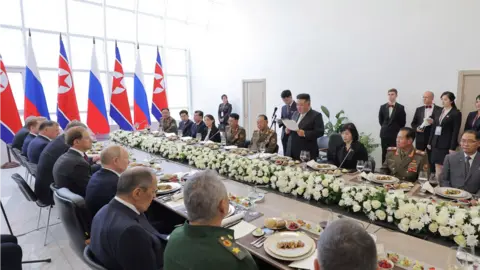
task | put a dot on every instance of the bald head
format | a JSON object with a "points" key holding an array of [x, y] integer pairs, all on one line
{"points": [[428, 97], [115, 157]]}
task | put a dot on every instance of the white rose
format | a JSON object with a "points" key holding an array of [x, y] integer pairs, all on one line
{"points": [[380, 214], [442, 219], [460, 240], [476, 221], [325, 192], [356, 208], [389, 200], [336, 188], [325, 183], [456, 231], [472, 240], [390, 219], [376, 204], [367, 205], [341, 203], [399, 214], [444, 231], [403, 227], [405, 221], [433, 227]]}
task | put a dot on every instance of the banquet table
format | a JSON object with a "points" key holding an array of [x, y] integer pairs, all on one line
{"points": [[276, 205]]}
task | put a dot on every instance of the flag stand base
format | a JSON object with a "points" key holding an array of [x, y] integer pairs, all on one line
{"points": [[10, 165]]}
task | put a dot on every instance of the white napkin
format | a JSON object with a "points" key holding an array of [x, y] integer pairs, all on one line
{"points": [[243, 228], [208, 142], [428, 187], [312, 163], [232, 219], [305, 263], [368, 176], [168, 135], [187, 138], [230, 147]]}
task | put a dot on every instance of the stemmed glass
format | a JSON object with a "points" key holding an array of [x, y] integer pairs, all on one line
{"points": [[433, 180], [262, 149], [422, 179], [461, 258], [223, 140], [305, 157], [367, 166], [360, 165]]}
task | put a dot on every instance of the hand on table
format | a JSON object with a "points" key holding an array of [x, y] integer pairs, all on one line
{"points": [[301, 132]]}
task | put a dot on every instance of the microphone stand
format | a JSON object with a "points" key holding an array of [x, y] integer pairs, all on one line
{"points": [[274, 123]]}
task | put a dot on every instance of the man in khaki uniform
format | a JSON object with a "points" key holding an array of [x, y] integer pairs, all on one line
{"points": [[264, 135], [404, 161], [234, 133], [167, 122], [203, 244]]}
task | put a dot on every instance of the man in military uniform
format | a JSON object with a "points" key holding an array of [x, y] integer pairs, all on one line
{"points": [[203, 244], [167, 122], [234, 133], [404, 161], [264, 135]]}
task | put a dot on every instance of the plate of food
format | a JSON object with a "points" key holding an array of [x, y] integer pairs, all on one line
{"points": [[163, 188], [292, 225], [383, 179], [405, 186], [238, 151], [321, 166], [274, 223], [452, 193], [385, 264], [309, 226], [168, 177], [290, 245]]}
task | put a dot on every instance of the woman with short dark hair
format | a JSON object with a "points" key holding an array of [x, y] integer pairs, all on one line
{"points": [[473, 119], [224, 111], [211, 133], [351, 150]]}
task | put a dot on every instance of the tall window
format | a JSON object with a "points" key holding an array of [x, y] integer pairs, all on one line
{"points": [[166, 24]]}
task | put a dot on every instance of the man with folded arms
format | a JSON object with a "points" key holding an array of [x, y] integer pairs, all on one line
{"points": [[462, 169], [208, 245], [343, 245], [32, 126], [20, 136], [121, 236], [235, 134], [103, 184], [48, 131]]}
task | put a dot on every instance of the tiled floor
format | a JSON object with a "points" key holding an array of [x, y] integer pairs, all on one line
{"points": [[23, 216]]}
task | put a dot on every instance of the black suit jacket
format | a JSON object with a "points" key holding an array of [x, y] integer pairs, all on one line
{"points": [[47, 159], [122, 239], [36, 147], [312, 124], [286, 115], [186, 128], [72, 171], [198, 129], [450, 128], [26, 142], [214, 134], [469, 122], [19, 138], [422, 138], [358, 152], [101, 189], [391, 125]]}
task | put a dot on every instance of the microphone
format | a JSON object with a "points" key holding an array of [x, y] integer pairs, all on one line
{"points": [[345, 158], [274, 112], [214, 134]]}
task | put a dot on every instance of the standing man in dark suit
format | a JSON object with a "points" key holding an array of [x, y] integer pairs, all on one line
{"points": [[103, 185], [121, 236], [310, 124], [48, 131], [392, 118], [72, 170], [185, 124], [47, 159], [473, 118], [32, 126], [288, 110], [22, 134], [462, 169]]}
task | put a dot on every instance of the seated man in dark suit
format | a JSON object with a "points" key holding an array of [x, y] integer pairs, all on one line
{"points": [[32, 126], [47, 159], [48, 131], [462, 169], [22, 134], [186, 124], [103, 185], [121, 236], [72, 170], [199, 126]]}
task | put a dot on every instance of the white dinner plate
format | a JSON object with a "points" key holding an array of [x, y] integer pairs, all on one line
{"points": [[231, 210], [374, 179], [321, 166], [271, 244], [440, 191], [175, 187]]}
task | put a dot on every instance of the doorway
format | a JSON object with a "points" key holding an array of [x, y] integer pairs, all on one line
{"points": [[468, 90], [254, 103]]}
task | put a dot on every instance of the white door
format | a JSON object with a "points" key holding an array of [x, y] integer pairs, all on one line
{"points": [[468, 90], [254, 103]]}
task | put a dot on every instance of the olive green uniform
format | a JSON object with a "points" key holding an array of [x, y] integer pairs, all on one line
{"points": [[205, 248], [404, 165], [268, 136], [235, 136], [169, 125]]}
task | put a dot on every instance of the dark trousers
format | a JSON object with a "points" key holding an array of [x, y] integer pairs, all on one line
{"points": [[387, 142], [11, 253], [284, 144]]}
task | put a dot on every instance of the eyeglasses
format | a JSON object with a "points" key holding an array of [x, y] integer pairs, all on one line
{"points": [[467, 142]]}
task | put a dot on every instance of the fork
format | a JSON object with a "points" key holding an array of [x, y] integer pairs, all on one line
{"points": [[259, 242]]}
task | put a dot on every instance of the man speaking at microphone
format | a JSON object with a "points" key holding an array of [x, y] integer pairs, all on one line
{"points": [[310, 128]]}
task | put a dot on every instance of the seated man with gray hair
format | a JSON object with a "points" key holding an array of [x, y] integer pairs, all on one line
{"points": [[202, 244], [345, 245], [121, 236]]}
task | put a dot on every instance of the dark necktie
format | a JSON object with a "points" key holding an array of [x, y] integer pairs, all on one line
{"points": [[85, 157], [467, 165], [288, 111]]}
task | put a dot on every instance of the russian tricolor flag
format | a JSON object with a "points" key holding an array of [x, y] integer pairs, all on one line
{"points": [[10, 122], [35, 103], [97, 119], [159, 95], [141, 114], [119, 106], [67, 108]]}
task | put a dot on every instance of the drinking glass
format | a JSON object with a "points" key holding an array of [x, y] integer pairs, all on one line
{"points": [[360, 165], [180, 133], [433, 180], [461, 258], [199, 136], [160, 130], [422, 179], [223, 139], [262, 148], [367, 166], [305, 157]]}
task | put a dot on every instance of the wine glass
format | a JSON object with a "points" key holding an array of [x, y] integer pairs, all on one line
{"points": [[223, 139], [422, 179], [262, 148], [198, 136], [305, 157], [180, 133], [360, 165], [367, 166], [461, 258], [433, 180]]}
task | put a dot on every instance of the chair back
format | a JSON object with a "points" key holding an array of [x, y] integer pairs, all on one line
{"points": [[322, 142], [89, 258], [75, 218], [372, 160], [16, 153], [335, 140], [24, 187]]}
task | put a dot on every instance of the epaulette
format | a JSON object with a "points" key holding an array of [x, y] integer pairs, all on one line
{"points": [[392, 148], [228, 243], [421, 153]]}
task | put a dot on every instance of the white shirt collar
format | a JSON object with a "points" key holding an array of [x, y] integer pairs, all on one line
{"points": [[78, 151], [291, 103], [472, 156], [115, 172], [127, 204], [33, 134], [45, 137]]}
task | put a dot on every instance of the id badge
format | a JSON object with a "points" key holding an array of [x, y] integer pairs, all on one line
{"points": [[438, 130]]}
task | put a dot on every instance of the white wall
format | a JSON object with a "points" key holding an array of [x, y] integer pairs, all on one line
{"points": [[345, 53]]}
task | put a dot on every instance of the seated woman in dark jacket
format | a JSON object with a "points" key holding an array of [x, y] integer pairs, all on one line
{"points": [[211, 133], [351, 150]]}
